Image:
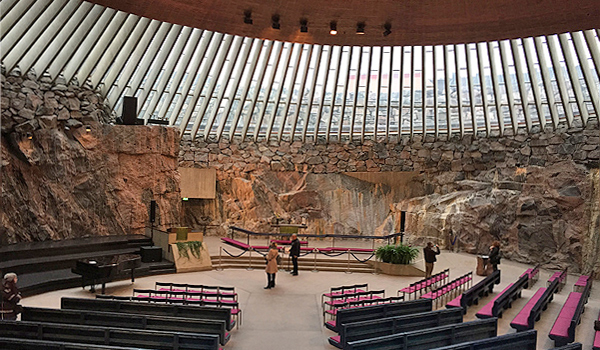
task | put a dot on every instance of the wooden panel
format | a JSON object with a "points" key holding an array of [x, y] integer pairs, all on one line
{"points": [[198, 183]]}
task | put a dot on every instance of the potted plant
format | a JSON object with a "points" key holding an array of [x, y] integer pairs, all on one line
{"points": [[397, 260]]}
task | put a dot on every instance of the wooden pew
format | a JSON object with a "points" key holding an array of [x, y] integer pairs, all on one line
{"points": [[503, 300], [31, 344], [516, 341], [563, 330], [111, 319], [532, 311], [132, 307], [431, 338], [562, 279], [392, 325], [533, 275], [108, 336], [482, 289], [367, 313]]}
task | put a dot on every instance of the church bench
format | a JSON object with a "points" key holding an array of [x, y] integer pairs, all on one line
{"points": [[473, 294], [533, 274], [563, 330], [132, 307], [527, 317], [561, 276], [372, 312], [503, 300], [422, 285], [582, 281], [426, 339], [110, 319], [521, 341], [108, 336], [449, 288], [572, 346], [34, 344], [363, 302], [341, 290], [391, 325]]}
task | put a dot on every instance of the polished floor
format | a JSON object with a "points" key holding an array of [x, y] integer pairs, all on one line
{"points": [[290, 315]]}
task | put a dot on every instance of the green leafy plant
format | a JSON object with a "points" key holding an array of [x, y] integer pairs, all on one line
{"points": [[185, 248], [397, 254]]}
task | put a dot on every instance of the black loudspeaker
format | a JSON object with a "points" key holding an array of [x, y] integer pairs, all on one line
{"points": [[151, 254], [129, 110], [402, 221], [152, 210]]}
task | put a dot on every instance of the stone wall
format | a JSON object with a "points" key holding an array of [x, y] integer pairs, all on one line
{"points": [[66, 173], [530, 191]]}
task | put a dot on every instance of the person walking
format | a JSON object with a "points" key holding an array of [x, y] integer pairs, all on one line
{"points": [[271, 268], [494, 256], [9, 307], [295, 253], [430, 258]]}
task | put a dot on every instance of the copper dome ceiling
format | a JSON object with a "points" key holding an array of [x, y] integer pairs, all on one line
{"points": [[413, 22]]}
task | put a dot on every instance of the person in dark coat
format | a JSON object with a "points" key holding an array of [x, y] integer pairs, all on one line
{"points": [[295, 253], [9, 308], [494, 256], [429, 253]]}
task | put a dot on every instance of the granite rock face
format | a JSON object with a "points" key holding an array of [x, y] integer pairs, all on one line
{"points": [[66, 173], [533, 192]]}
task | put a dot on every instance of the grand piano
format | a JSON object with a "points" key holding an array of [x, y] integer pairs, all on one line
{"points": [[104, 269]]}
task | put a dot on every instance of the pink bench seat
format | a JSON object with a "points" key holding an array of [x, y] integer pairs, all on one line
{"points": [[486, 310], [336, 341], [454, 302], [520, 322], [560, 329]]}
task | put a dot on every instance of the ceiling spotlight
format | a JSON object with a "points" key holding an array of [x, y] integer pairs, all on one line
{"points": [[360, 28], [275, 22], [388, 29], [333, 28], [88, 128], [29, 136], [248, 17], [303, 25]]}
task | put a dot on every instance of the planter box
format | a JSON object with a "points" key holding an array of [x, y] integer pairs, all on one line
{"points": [[396, 269]]}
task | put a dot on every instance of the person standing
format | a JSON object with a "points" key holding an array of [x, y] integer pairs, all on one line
{"points": [[430, 258], [295, 253], [271, 268], [9, 308], [494, 256]]}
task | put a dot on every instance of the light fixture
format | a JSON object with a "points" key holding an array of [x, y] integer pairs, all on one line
{"points": [[333, 28], [185, 199], [388, 29], [275, 22], [88, 128], [303, 25], [248, 17], [29, 136], [360, 28]]}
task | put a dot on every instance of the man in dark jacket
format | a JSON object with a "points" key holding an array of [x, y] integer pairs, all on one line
{"points": [[430, 258], [9, 306], [295, 253]]}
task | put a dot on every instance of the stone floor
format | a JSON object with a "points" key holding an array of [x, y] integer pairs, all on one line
{"points": [[290, 316]]}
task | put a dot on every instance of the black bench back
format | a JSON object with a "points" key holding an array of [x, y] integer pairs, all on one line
{"points": [[431, 338], [522, 341], [113, 319], [30, 344], [399, 324], [542, 303], [366, 313], [505, 300], [108, 336], [157, 309]]}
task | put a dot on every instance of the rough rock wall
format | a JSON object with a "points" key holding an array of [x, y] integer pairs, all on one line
{"points": [[533, 192], [66, 174]]}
